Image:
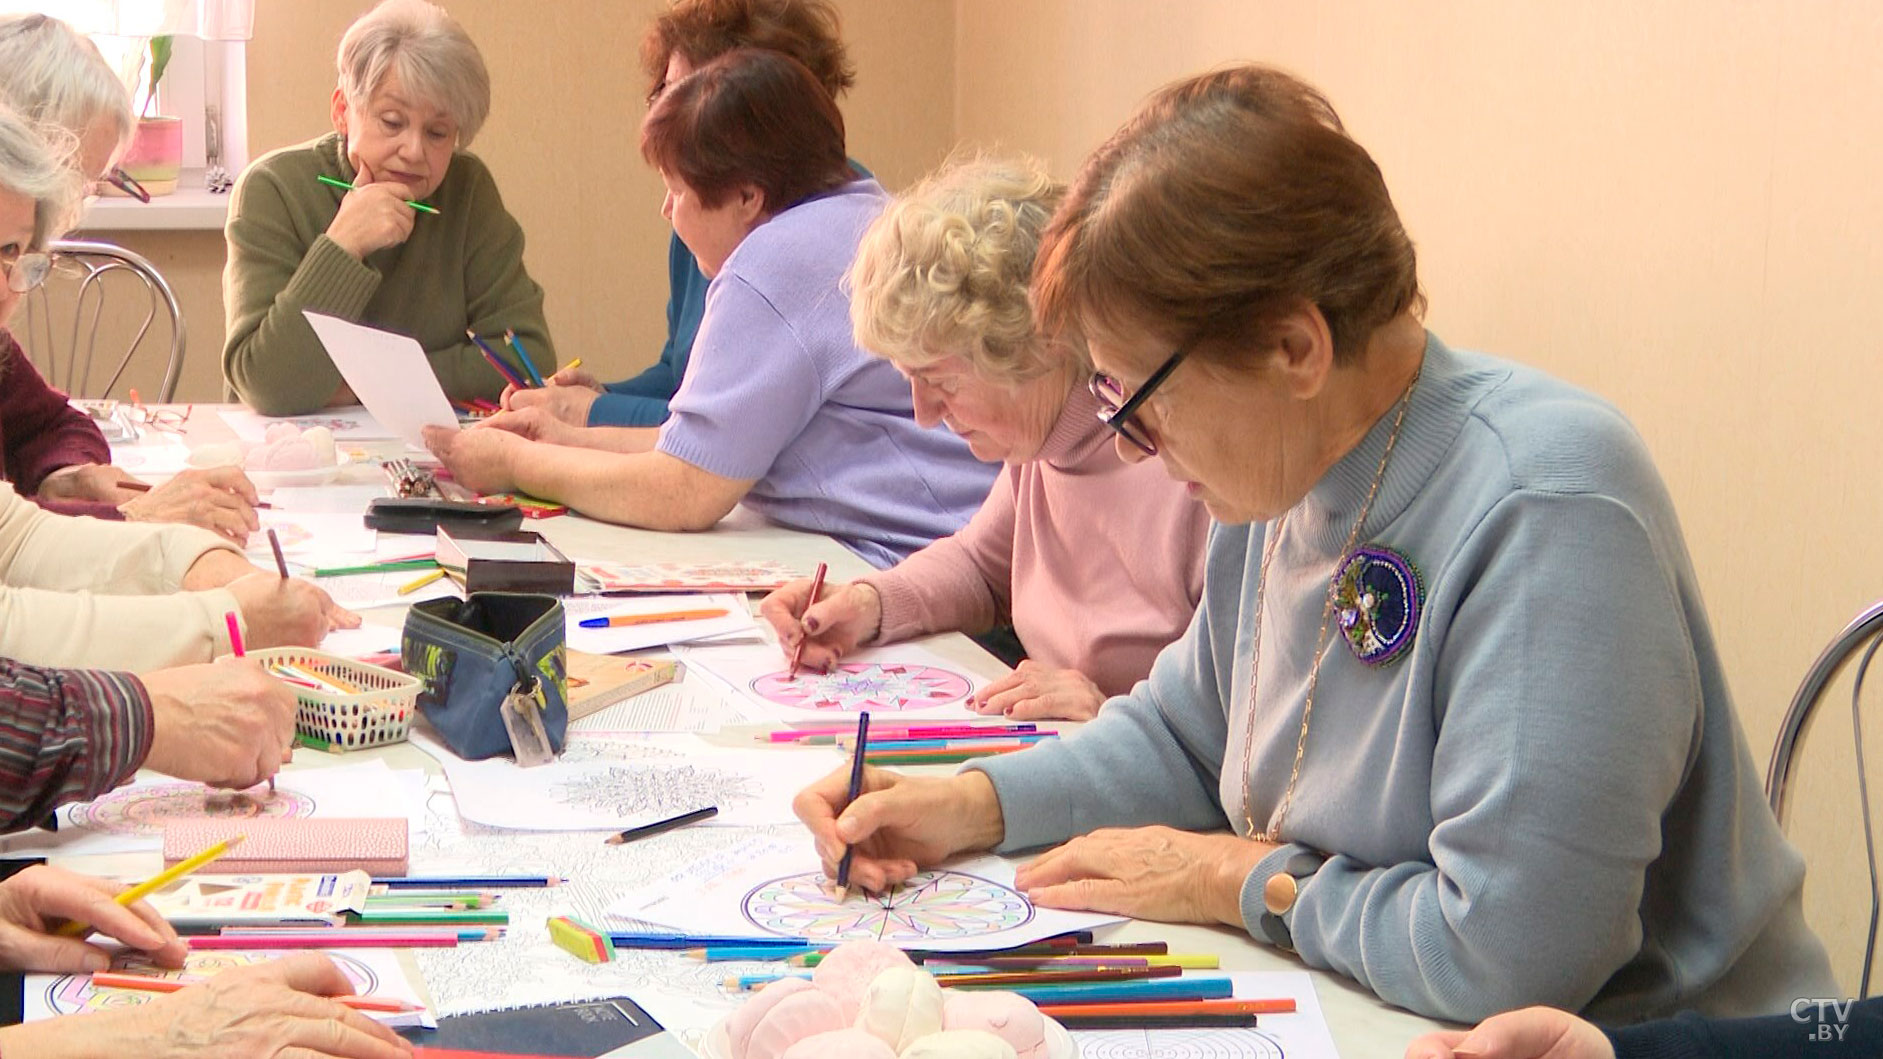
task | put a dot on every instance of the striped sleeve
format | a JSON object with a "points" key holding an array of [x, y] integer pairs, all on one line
{"points": [[66, 735]]}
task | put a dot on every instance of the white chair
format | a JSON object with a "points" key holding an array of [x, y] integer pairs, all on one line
{"points": [[94, 284], [1860, 639]]}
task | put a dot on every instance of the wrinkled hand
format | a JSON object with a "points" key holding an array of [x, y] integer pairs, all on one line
{"points": [[40, 899], [290, 613], [899, 824], [479, 459], [1157, 873], [372, 216], [275, 1010], [88, 481], [1532, 1033], [1034, 692], [221, 499], [534, 423], [566, 402], [227, 723], [845, 618]]}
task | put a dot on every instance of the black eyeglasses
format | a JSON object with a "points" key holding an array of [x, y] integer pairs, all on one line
{"points": [[126, 183], [1120, 413]]}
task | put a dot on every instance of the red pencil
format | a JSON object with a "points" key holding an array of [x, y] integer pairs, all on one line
{"points": [[817, 585], [246, 942], [1275, 1006]]}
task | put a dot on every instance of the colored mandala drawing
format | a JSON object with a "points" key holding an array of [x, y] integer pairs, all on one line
{"points": [[759, 576], [145, 810], [930, 906], [73, 993], [1178, 1044], [628, 791], [337, 424], [852, 687], [292, 534]]}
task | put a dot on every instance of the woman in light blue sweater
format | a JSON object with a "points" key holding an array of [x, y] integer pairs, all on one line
{"points": [[1450, 719]]}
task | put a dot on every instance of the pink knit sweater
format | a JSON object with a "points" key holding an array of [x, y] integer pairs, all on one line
{"points": [[1099, 562]]}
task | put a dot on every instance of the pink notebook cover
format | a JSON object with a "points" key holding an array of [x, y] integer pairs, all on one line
{"points": [[376, 845]]}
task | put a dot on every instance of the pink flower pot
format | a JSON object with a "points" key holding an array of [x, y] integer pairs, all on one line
{"points": [[155, 158]]}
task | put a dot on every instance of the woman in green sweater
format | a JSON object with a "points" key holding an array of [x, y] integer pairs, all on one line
{"points": [[413, 92]]}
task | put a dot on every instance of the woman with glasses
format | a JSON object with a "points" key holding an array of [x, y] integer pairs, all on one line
{"points": [[1450, 720], [780, 410], [1097, 560], [54, 454], [80, 591], [386, 221]]}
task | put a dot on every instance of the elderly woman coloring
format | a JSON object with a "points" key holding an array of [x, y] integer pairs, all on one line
{"points": [[1098, 561], [413, 92], [1449, 720]]}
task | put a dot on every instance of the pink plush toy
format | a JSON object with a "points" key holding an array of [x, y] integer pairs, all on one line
{"points": [[806, 1013], [847, 970], [741, 1023], [1009, 1016], [959, 1044], [840, 1044]]}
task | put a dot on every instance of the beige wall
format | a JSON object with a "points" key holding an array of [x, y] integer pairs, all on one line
{"points": [[1674, 204], [562, 140]]}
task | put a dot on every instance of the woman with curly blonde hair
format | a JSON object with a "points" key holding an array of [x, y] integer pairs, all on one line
{"points": [[1097, 563]]}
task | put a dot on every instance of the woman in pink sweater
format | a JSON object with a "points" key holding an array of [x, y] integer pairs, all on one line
{"points": [[1097, 563]]}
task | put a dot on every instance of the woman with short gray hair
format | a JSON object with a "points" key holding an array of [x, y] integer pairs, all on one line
{"points": [[385, 221], [55, 77]]}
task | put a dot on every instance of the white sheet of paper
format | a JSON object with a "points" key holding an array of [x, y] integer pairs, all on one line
{"points": [[131, 818], [684, 706], [348, 423], [1302, 1035], [389, 373], [900, 683], [368, 639], [773, 887], [326, 499], [307, 537], [736, 620], [365, 591], [612, 784], [375, 972]]}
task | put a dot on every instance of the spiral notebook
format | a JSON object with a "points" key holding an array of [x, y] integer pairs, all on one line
{"points": [[615, 1028]]}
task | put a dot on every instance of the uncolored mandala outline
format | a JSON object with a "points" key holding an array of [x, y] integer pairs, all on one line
{"points": [[930, 906], [73, 994], [145, 810], [1178, 1044], [628, 791], [852, 687]]}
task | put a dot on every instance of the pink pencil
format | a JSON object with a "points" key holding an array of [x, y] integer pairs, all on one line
{"points": [[323, 940], [914, 731]]}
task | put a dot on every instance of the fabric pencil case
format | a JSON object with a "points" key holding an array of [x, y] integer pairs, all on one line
{"points": [[272, 845], [495, 672]]}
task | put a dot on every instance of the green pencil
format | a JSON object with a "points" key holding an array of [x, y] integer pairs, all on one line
{"points": [[378, 568], [419, 916], [331, 182]]}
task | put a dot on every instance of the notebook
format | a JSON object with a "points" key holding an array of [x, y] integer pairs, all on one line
{"points": [[615, 1027], [376, 845]]}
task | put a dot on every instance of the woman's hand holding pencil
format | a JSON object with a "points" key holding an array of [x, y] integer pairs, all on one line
{"points": [[820, 632], [40, 896], [899, 824]]}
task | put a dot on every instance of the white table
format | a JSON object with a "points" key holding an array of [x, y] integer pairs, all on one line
{"points": [[1362, 1025]]}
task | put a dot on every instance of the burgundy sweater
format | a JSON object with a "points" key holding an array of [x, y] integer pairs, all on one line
{"points": [[40, 433]]}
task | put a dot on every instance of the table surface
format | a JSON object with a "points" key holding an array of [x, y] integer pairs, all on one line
{"points": [[1361, 1024]]}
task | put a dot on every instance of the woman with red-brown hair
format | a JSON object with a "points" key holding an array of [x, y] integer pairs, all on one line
{"points": [[1450, 719]]}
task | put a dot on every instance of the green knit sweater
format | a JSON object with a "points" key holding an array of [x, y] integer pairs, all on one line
{"points": [[462, 268]]}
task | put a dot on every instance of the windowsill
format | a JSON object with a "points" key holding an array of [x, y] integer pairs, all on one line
{"points": [[189, 208]]}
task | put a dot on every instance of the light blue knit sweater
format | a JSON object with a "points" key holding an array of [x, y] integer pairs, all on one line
{"points": [[1546, 800]]}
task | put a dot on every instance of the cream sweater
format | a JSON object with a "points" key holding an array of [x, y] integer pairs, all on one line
{"points": [[80, 592]]}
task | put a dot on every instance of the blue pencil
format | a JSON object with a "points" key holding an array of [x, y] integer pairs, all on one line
{"points": [[745, 982], [956, 742], [496, 361], [1185, 988], [722, 953], [523, 355], [856, 783], [472, 882]]}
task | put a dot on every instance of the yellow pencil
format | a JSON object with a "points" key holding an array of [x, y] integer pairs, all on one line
{"points": [[420, 582], [78, 928], [572, 365]]}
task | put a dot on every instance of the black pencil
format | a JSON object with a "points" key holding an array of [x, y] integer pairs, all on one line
{"points": [[1155, 1022], [856, 790], [655, 828]]}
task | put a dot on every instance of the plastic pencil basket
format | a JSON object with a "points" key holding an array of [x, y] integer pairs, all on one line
{"points": [[357, 705]]}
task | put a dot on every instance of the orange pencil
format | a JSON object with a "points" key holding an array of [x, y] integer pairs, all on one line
{"points": [[1275, 1006], [616, 621], [817, 585]]}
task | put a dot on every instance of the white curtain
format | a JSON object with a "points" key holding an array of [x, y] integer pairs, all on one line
{"points": [[208, 19]]}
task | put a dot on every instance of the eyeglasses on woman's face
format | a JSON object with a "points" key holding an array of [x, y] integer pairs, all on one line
{"points": [[24, 272], [1120, 412]]}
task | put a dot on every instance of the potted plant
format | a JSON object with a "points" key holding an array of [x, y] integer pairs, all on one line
{"points": [[155, 157]]}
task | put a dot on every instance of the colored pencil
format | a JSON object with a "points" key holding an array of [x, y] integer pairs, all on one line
{"points": [[747, 982], [496, 361], [631, 940], [389, 567], [485, 882], [1252, 1006], [1192, 961], [465, 898], [911, 731], [817, 585], [649, 830], [269, 942], [340, 937], [856, 765], [331, 182], [420, 582], [235, 634], [428, 916], [1155, 1022], [1006, 979], [79, 928], [510, 338], [950, 757], [135, 487], [147, 983], [726, 953], [952, 743], [1186, 988], [281, 561], [616, 621], [574, 364]]}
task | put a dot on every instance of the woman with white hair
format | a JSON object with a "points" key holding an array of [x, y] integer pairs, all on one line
{"points": [[53, 453], [413, 92], [1099, 562]]}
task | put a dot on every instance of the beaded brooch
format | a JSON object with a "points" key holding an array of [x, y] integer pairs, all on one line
{"points": [[1377, 598]]}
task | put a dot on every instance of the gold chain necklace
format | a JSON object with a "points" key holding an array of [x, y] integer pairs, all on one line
{"points": [[1273, 833]]}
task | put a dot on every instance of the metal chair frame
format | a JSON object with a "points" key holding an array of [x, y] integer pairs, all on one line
{"points": [[98, 261], [1863, 636]]}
